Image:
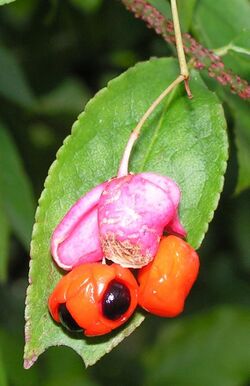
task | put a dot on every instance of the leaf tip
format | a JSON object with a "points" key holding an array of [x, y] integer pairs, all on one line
{"points": [[28, 362]]}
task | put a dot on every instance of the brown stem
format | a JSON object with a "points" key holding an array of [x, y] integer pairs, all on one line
{"points": [[202, 58]]}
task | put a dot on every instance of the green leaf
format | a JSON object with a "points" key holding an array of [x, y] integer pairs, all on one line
{"points": [[87, 5], [239, 45], [186, 10], [3, 379], [62, 365], [217, 23], [236, 55], [240, 231], [184, 139], [4, 245], [11, 348], [69, 97], [240, 112], [207, 349], [162, 6], [123, 58], [243, 151], [2, 2], [18, 16], [15, 189], [226, 32], [64, 368], [13, 84], [242, 138], [229, 31]]}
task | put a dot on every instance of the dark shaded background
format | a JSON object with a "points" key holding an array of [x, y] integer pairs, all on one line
{"points": [[57, 55]]}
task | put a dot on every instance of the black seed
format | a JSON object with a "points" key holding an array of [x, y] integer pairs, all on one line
{"points": [[66, 319], [116, 300]]}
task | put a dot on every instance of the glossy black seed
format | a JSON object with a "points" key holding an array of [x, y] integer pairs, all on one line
{"points": [[66, 319], [116, 300]]}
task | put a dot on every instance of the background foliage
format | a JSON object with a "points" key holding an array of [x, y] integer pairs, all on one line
{"points": [[53, 56]]}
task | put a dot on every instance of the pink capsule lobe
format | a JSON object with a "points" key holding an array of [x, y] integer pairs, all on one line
{"points": [[167, 184], [133, 212], [76, 238]]}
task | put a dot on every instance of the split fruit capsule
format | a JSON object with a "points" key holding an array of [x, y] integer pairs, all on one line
{"points": [[94, 298], [123, 218], [165, 283]]}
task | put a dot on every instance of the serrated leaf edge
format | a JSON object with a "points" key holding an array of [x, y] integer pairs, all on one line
{"points": [[29, 360], [222, 178]]}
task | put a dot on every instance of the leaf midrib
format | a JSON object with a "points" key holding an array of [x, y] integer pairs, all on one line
{"points": [[169, 99]]}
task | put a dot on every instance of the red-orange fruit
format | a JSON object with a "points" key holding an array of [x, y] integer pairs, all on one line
{"points": [[94, 298], [165, 282]]}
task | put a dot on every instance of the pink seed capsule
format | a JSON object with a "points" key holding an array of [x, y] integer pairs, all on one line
{"points": [[133, 212], [76, 240], [122, 219]]}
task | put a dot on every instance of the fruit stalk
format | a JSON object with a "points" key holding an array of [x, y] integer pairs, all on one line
{"points": [[201, 58], [179, 47], [123, 168]]}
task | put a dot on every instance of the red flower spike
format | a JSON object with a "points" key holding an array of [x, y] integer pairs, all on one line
{"points": [[94, 298], [165, 283]]}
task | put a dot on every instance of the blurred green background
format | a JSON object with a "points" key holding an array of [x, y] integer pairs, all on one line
{"points": [[54, 55]]}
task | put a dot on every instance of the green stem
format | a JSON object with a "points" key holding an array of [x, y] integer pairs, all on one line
{"points": [[123, 168], [179, 47]]}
